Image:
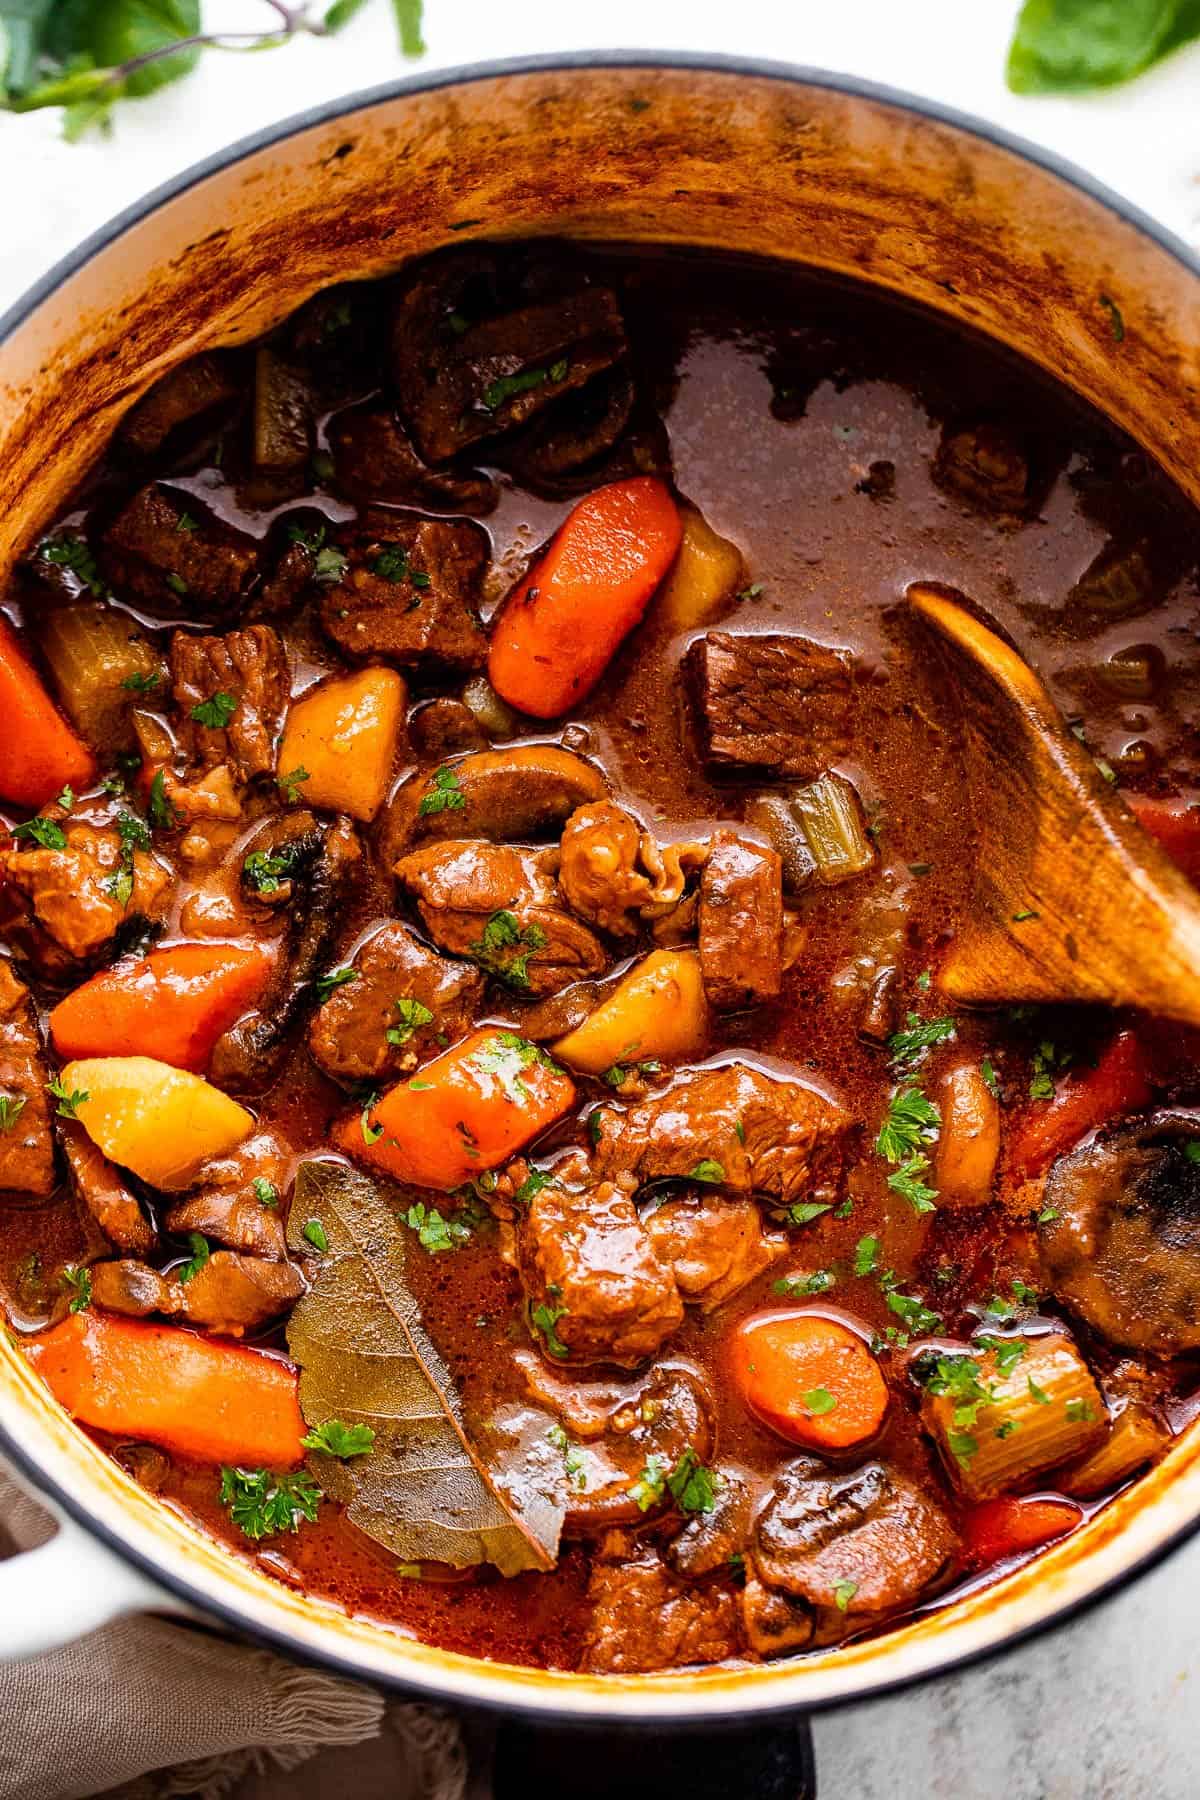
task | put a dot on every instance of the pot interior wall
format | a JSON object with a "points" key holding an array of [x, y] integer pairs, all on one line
{"points": [[743, 161]]}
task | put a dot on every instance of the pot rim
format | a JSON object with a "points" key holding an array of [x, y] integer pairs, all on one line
{"points": [[623, 1710]]}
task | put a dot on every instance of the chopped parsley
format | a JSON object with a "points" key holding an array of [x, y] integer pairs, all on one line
{"points": [[65, 798], [78, 1281], [176, 583], [651, 1484], [329, 565], [142, 684], [337, 1439], [991, 1080], [1026, 912], [1048, 1215], [1079, 1412], [1007, 1351], [199, 1247], [162, 815], [1049, 1061], [693, 1487], [545, 1319], [707, 1170], [506, 946], [392, 564], [844, 1593], [574, 1464], [262, 1503], [533, 1184], [866, 1256], [907, 1048], [46, 832], [1037, 1393], [911, 1123], [444, 795], [289, 785], [918, 1318], [68, 550], [506, 1056], [215, 713], [265, 870], [434, 1232], [68, 1103], [507, 387], [818, 1401], [265, 1192], [336, 978], [134, 836], [962, 1447], [314, 1234], [11, 1108], [371, 1134], [805, 1211], [798, 1287], [413, 1016]]}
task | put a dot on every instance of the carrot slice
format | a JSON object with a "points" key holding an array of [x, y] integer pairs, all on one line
{"points": [[218, 1402], [1118, 1084], [562, 624], [462, 1113], [172, 1005], [1174, 825], [809, 1378], [39, 752], [1007, 1527]]}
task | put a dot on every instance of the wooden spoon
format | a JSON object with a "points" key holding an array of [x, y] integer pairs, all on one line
{"points": [[1072, 900]]}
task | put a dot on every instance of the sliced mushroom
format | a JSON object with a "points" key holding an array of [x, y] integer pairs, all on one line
{"points": [[507, 796], [1120, 1238]]}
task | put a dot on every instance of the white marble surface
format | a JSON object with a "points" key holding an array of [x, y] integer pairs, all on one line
{"points": [[1102, 1709]]}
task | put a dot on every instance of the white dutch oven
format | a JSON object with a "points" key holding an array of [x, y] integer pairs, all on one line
{"points": [[751, 157]]}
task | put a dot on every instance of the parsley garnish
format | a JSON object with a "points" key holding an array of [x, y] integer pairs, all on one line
{"points": [[263, 869], [176, 583], [216, 712], [818, 1401], [68, 1103], [343, 1441], [69, 551], [1007, 1351], [573, 1459], [289, 785], [265, 1192], [314, 1233], [990, 1079], [917, 1317], [1079, 1412], [1037, 1393], [533, 1184], [329, 565], [413, 1015], [46, 832], [962, 1447], [434, 1232], [907, 1048], [65, 798], [797, 1287], [336, 978], [708, 1170], [142, 684], [651, 1484], [134, 836], [866, 1256], [1048, 1063], [506, 946], [444, 795], [805, 1211], [262, 1503], [545, 1319], [370, 1133], [162, 815], [912, 1122], [506, 387], [201, 1252], [11, 1108], [844, 1593], [693, 1487], [79, 1281]]}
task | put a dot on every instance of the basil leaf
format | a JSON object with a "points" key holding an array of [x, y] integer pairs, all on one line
{"points": [[1069, 46]]}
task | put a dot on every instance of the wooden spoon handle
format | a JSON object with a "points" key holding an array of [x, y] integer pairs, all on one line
{"points": [[1072, 900]]}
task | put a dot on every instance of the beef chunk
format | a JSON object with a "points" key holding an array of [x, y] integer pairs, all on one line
{"points": [[247, 666], [349, 1036], [445, 727], [104, 1195], [26, 1142], [713, 1245], [169, 552], [237, 1200], [483, 340], [870, 1527], [316, 867], [499, 906], [751, 1131], [193, 393], [409, 592], [81, 895], [984, 465], [741, 923], [615, 875], [587, 1262], [644, 1617], [771, 702], [375, 460], [229, 1293]]}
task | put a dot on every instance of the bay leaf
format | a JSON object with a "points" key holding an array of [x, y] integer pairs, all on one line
{"points": [[365, 1358]]}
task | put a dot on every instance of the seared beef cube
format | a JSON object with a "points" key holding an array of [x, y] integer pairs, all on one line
{"points": [[713, 1245], [237, 1200], [596, 1289], [409, 592], [482, 341], [741, 923], [644, 1617], [733, 1127], [227, 1292], [103, 1194], [404, 1004], [374, 460], [249, 667], [84, 892], [499, 906], [984, 465], [771, 702], [197, 390], [169, 552], [870, 1528], [26, 1143]]}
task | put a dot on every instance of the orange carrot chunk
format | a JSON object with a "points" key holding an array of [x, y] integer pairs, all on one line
{"points": [[461, 1114], [560, 627], [1008, 1527], [198, 1396], [172, 1005], [1175, 827], [809, 1378], [1119, 1084], [39, 752]]}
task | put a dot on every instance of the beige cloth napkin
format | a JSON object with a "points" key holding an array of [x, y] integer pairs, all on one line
{"points": [[145, 1709]]}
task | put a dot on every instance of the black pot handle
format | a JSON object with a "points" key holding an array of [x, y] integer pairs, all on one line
{"points": [[768, 1759]]}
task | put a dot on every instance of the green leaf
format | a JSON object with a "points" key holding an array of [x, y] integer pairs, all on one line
{"points": [[262, 1503], [1069, 46], [334, 1438], [122, 31], [199, 1248], [409, 18], [215, 712], [844, 1593], [709, 1171], [819, 1400]]}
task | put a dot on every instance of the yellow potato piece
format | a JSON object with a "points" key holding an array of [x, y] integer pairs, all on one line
{"points": [[656, 1014], [707, 570], [158, 1121], [343, 733]]}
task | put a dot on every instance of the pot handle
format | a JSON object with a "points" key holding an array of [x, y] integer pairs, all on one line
{"points": [[767, 1759], [67, 1587]]}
